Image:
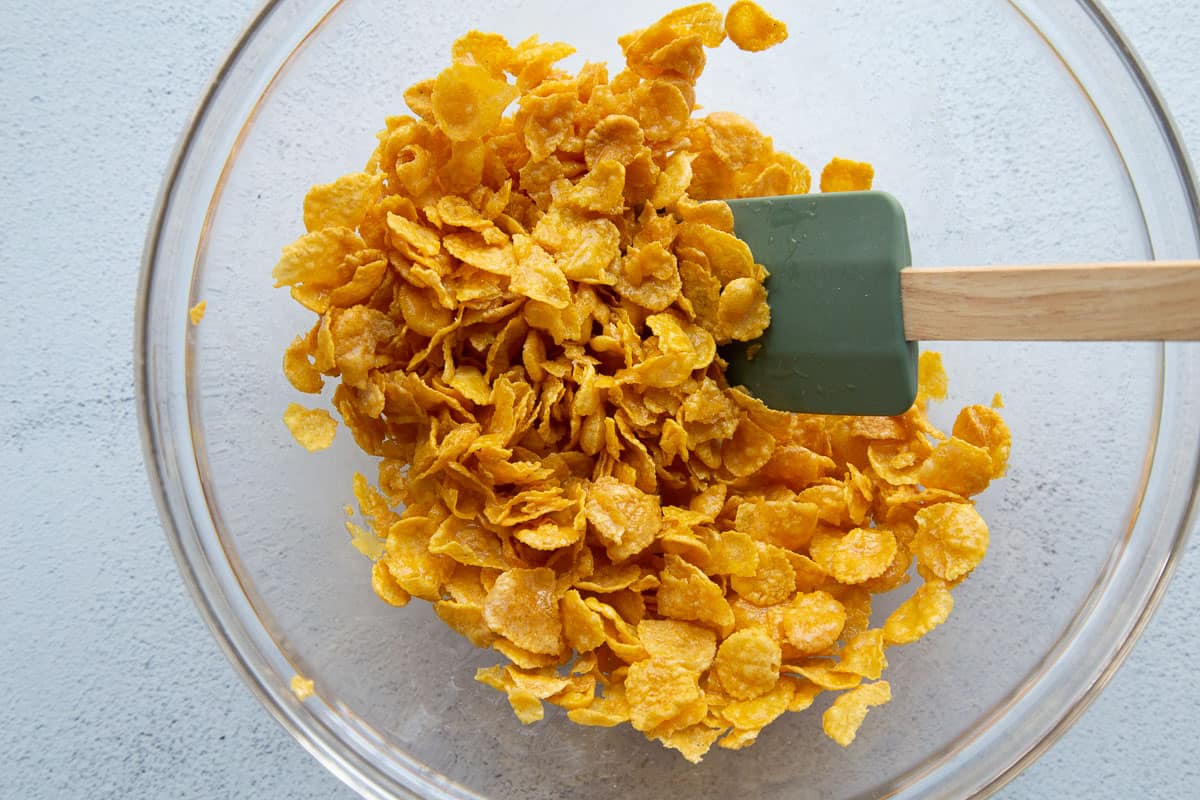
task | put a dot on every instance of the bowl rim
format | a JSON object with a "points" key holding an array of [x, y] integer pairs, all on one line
{"points": [[209, 592]]}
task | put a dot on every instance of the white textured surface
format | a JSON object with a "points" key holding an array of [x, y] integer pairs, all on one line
{"points": [[112, 687]]}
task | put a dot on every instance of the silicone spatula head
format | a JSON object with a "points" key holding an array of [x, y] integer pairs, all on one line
{"points": [[836, 341]]}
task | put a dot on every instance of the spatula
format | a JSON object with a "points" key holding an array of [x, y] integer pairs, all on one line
{"points": [[847, 309]]}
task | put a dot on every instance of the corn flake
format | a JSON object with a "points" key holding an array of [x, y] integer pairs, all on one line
{"points": [[843, 175], [669, 640], [759, 712], [983, 427], [686, 593], [582, 627], [753, 29], [929, 606], [313, 428], [864, 655], [467, 101], [658, 691], [747, 663], [931, 377], [786, 523], [813, 622], [734, 139], [521, 607], [843, 719], [343, 203], [624, 517], [692, 742], [617, 138], [742, 311], [773, 581], [386, 587], [957, 466], [611, 708], [951, 539], [854, 557]]}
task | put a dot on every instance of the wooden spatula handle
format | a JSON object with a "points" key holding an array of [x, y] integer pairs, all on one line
{"points": [[1148, 300]]}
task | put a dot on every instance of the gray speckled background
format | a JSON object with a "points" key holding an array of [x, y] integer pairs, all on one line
{"points": [[112, 687]]}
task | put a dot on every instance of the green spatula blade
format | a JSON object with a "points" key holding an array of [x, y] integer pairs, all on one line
{"points": [[836, 342]]}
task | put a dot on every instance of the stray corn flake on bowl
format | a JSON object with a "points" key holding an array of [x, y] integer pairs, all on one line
{"points": [[626, 558]]}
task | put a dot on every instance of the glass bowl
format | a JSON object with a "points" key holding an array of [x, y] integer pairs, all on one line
{"points": [[1021, 131]]}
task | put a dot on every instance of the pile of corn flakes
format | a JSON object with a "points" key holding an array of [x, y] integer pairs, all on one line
{"points": [[521, 298]]}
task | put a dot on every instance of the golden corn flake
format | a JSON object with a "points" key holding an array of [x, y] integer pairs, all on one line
{"points": [[318, 258], [842, 175], [951, 539], [813, 622], [196, 312], [734, 553], [659, 691], [519, 302], [488, 50], [468, 101], [673, 181], [897, 573], [773, 581], [365, 541], [748, 450], [742, 311], [541, 683], [625, 518], [734, 139], [804, 692], [957, 466], [931, 376], [747, 663], [527, 708], [343, 203], [856, 556], [539, 278], [738, 739], [692, 742], [582, 627], [929, 606], [686, 593], [984, 427], [864, 655], [467, 620], [825, 675], [759, 712], [522, 608], [751, 28], [299, 368], [313, 428], [786, 523], [669, 640], [843, 719], [611, 708]]}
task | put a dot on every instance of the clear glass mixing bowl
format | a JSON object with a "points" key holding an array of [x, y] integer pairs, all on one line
{"points": [[1019, 131]]}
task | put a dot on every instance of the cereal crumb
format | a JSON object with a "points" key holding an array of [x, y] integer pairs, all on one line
{"points": [[302, 687], [196, 312]]}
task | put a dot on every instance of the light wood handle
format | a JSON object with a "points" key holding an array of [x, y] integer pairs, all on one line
{"points": [[1149, 300]]}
